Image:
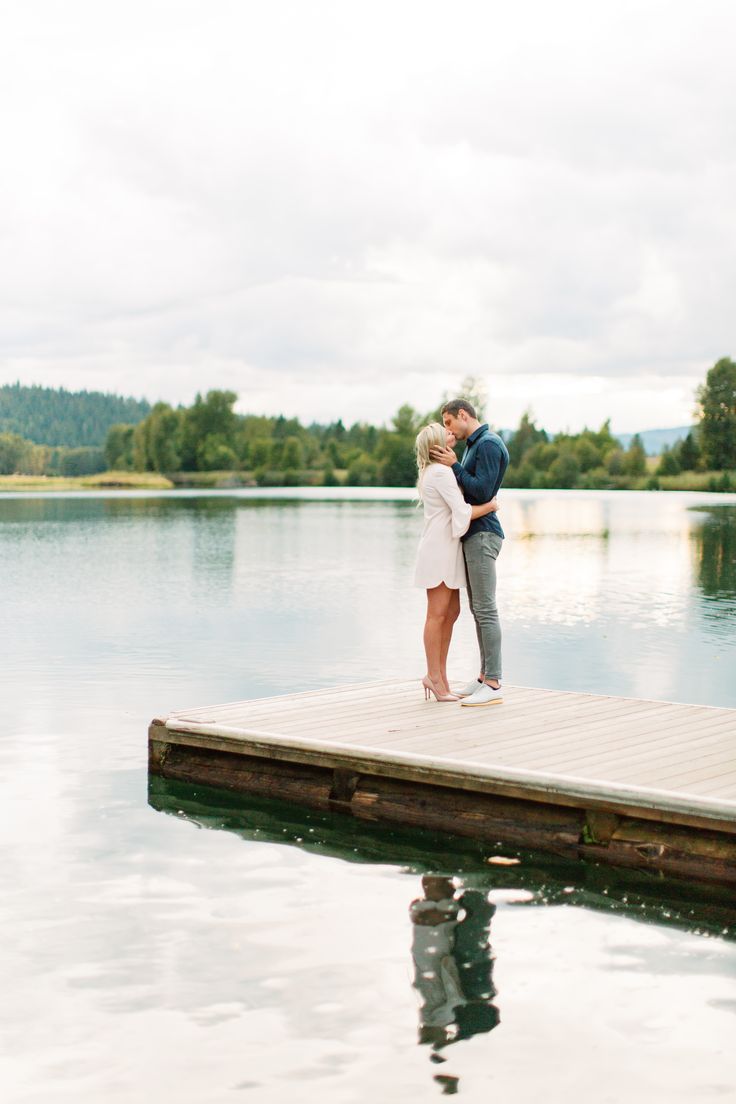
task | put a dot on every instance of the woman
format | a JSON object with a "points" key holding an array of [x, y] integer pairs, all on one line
{"points": [[440, 566]]}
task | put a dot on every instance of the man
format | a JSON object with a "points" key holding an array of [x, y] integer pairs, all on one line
{"points": [[480, 475]]}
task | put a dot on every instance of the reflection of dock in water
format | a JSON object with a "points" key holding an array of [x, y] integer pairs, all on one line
{"points": [[466, 881], [543, 878], [636, 783]]}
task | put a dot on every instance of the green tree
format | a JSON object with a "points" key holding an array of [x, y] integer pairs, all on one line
{"points": [[525, 437], [163, 439], [82, 461], [603, 439], [399, 466], [717, 400], [688, 453], [215, 454], [260, 452], [542, 456], [249, 429], [334, 454], [564, 471], [293, 454], [363, 472], [277, 453], [586, 453], [119, 448], [286, 427], [37, 459], [12, 449], [616, 462], [524, 476], [363, 436], [311, 450], [140, 447], [668, 463], [406, 421], [212, 416], [635, 462]]}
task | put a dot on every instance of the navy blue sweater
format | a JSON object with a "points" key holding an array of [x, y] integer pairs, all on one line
{"points": [[480, 475]]}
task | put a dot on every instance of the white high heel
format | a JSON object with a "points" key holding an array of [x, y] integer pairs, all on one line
{"points": [[429, 688]]}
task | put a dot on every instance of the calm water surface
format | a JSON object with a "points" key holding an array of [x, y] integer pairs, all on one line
{"points": [[181, 945]]}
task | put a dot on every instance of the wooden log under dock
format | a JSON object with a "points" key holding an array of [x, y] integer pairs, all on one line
{"points": [[635, 783]]}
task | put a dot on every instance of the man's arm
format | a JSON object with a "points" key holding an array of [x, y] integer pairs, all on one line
{"points": [[488, 465]]}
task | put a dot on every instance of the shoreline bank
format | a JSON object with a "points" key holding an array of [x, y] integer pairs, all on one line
{"points": [[709, 482]]}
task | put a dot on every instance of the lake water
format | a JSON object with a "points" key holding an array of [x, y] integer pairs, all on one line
{"points": [[184, 945]]}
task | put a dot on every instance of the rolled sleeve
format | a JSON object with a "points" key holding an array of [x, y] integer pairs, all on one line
{"points": [[460, 510]]}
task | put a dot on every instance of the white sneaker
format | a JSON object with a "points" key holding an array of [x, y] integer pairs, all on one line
{"points": [[469, 689], [484, 695]]}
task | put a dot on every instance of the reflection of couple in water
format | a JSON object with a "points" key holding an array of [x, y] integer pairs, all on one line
{"points": [[453, 963]]}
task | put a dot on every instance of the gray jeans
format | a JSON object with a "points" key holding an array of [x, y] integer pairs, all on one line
{"points": [[481, 552]]}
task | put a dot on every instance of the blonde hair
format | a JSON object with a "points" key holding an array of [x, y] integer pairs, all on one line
{"points": [[433, 435]]}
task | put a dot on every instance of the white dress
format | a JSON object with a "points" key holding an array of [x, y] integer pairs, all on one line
{"points": [[446, 517]]}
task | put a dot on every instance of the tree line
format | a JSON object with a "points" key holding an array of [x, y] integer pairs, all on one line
{"points": [[52, 431], [65, 419], [595, 459], [21, 457], [209, 436]]}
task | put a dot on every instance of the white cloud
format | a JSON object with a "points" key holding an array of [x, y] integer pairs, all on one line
{"points": [[338, 207]]}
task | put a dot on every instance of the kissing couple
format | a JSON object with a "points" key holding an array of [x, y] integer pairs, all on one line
{"points": [[460, 543]]}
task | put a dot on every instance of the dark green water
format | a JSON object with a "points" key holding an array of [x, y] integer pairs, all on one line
{"points": [[179, 945]]}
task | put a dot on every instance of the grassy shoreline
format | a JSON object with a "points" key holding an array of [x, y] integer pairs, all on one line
{"points": [[120, 480], [711, 482]]}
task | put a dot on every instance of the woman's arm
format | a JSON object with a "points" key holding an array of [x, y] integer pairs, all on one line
{"points": [[485, 508], [462, 512]]}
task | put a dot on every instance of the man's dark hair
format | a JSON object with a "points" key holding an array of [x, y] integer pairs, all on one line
{"points": [[454, 406]]}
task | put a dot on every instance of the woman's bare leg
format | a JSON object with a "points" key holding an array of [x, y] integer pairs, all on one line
{"points": [[438, 601], [453, 612]]}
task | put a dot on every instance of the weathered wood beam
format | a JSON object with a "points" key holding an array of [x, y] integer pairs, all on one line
{"points": [[574, 793], [602, 835]]}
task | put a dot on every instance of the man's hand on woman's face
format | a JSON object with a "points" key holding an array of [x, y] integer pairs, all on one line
{"points": [[443, 456]]}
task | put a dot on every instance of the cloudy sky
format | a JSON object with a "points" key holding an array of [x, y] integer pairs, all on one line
{"points": [[336, 207]]}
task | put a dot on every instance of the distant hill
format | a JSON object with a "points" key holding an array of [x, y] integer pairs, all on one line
{"points": [[55, 416], [654, 440]]}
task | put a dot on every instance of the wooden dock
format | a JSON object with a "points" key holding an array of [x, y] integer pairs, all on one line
{"points": [[637, 783]]}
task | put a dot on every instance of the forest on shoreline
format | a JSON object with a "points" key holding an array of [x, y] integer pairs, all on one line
{"points": [[209, 444]]}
